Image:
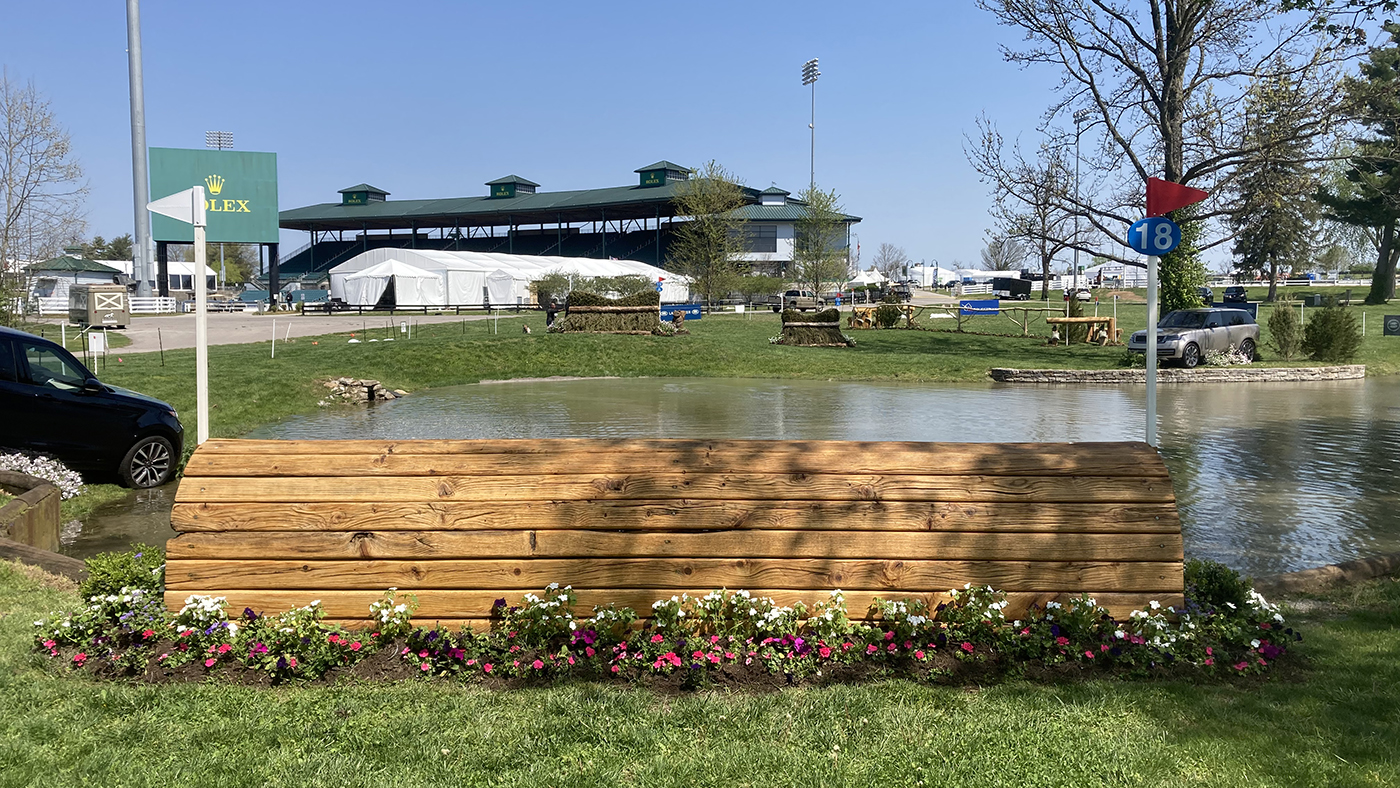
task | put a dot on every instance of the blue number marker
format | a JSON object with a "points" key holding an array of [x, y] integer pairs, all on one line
{"points": [[1155, 235]]}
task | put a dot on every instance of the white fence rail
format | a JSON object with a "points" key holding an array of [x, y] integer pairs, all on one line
{"points": [[58, 305], [975, 289]]}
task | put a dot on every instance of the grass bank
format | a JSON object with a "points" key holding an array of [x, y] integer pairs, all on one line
{"points": [[1329, 721], [249, 388]]}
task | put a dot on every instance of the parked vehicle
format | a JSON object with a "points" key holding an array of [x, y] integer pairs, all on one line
{"points": [[1236, 295], [52, 404], [1011, 288], [1083, 294], [1207, 295], [1186, 334], [801, 300]]}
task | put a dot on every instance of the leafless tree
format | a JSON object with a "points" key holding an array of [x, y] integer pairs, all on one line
{"points": [[890, 260], [1031, 197], [1159, 83], [1003, 254], [41, 183]]}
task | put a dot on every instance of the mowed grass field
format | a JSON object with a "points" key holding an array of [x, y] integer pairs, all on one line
{"points": [[1331, 718]]}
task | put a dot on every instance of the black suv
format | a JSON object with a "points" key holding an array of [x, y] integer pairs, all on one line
{"points": [[1236, 295], [50, 403]]}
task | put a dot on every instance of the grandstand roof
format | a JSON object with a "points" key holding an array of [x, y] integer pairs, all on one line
{"points": [[791, 212]]}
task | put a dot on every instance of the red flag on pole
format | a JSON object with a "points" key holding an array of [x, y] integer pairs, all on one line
{"points": [[1163, 197]]}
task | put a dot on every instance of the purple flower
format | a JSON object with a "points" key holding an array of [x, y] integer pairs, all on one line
{"points": [[249, 614], [281, 663]]}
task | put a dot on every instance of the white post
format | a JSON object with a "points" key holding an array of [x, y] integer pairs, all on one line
{"points": [[201, 320], [1363, 324], [274, 337], [1152, 351], [63, 335]]}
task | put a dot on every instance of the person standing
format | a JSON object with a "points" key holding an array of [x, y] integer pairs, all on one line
{"points": [[550, 311]]}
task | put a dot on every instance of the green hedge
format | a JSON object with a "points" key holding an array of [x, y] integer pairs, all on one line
{"points": [[646, 298]]}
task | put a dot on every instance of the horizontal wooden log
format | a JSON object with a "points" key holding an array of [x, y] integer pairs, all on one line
{"points": [[910, 463], [897, 545], [935, 458], [906, 576], [477, 605], [663, 486], [679, 516]]}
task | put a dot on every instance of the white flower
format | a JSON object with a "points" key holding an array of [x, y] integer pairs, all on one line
{"points": [[1254, 644], [1231, 605], [1155, 605], [1278, 618]]}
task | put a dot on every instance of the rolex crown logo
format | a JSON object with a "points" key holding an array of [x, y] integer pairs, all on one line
{"points": [[215, 184]]}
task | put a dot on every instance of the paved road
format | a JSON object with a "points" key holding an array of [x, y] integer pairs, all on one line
{"points": [[177, 331]]}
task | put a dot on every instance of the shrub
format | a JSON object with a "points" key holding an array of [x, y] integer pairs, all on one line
{"points": [[1213, 585], [69, 482], [887, 314], [1332, 333], [143, 566], [1075, 333], [1285, 330]]}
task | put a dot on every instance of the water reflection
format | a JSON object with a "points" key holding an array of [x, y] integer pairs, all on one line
{"points": [[1269, 477]]}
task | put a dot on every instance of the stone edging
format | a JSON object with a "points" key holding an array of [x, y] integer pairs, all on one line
{"points": [[1240, 374], [1332, 575]]}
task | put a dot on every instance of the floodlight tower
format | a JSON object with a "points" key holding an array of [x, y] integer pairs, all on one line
{"points": [[218, 140], [809, 77]]}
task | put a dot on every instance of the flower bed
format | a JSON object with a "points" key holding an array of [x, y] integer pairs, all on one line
{"points": [[723, 638]]}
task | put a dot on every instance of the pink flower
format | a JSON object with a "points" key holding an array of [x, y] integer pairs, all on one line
{"points": [[423, 653], [714, 659], [871, 649], [824, 651], [730, 654], [571, 659], [515, 663], [80, 658], [355, 646], [424, 666], [334, 638], [486, 667], [1026, 631], [145, 633], [1241, 666], [657, 638], [588, 651], [614, 668], [537, 665], [292, 662], [714, 638], [209, 663], [1062, 641], [846, 646], [1210, 652], [966, 647], [1089, 654], [889, 636], [48, 644], [1210, 661], [1103, 648], [187, 633], [908, 644], [225, 648], [919, 654], [891, 648]]}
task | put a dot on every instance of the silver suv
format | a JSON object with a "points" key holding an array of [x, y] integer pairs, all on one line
{"points": [[1187, 334]]}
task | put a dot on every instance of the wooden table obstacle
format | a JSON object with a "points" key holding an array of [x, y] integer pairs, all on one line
{"points": [[271, 525], [1101, 329]]}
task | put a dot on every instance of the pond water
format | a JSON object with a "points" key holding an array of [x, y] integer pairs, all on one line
{"points": [[1268, 477]]}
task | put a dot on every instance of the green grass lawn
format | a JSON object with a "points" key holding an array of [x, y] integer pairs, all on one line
{"points": [[1334, 719], [249, 388]]}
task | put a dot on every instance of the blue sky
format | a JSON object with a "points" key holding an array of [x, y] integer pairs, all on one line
{"points": [[434, 99]]}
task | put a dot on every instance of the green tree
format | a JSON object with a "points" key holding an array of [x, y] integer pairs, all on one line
{"points": [[819, 250], [1373, 197], [1273, 213], [708, 245], [120, 248]]}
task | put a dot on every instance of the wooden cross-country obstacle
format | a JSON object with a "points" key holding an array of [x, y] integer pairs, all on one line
{"points": [[271, 525]]}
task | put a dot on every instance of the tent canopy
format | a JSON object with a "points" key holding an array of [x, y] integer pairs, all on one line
{"points": [[871, 277], [412, 286], [465, 273]]}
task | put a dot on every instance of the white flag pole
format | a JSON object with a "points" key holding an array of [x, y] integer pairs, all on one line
{"points": [[1152, 350], [201, 318]]}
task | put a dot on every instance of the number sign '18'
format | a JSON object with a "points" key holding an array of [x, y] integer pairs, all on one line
{"points": [[1154, 235]]}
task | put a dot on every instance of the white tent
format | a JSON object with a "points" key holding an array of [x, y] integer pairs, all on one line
{"points": [[871, 277], [465, 272], [932, 275], [501, 287], [412, 286]]}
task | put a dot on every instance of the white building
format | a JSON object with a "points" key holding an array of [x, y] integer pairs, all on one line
{"points": [[772, 230]]}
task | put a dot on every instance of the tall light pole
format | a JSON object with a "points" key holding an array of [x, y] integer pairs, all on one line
{"points": [[1079, 118], [219, 140], [141, 190], [809, 77]]}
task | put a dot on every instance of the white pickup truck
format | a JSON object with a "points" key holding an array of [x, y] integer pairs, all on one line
{"points": [[801, 300]]}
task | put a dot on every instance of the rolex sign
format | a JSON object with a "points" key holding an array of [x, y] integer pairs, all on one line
{"points": [[240, 193]]}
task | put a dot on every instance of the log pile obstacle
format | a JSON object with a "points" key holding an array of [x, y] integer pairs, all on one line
{"points": [[272, 525]]}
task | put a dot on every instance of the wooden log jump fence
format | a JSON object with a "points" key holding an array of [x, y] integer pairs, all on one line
{"points": [[272, 525]]}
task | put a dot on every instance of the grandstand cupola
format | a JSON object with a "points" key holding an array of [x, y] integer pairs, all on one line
{"points": [[362, 194], [512, 186], [773, 196], [662, 173]]}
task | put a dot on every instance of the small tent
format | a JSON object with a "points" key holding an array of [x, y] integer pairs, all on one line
{"points": [[412, 286], [502, 288], [871, 277]]}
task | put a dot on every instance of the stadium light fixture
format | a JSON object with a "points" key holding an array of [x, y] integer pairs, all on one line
{"points": [[810, 73], [218, 140]]}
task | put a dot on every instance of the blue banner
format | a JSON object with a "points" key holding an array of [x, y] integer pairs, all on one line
{"points": [[692, 311], [970, 308]]}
